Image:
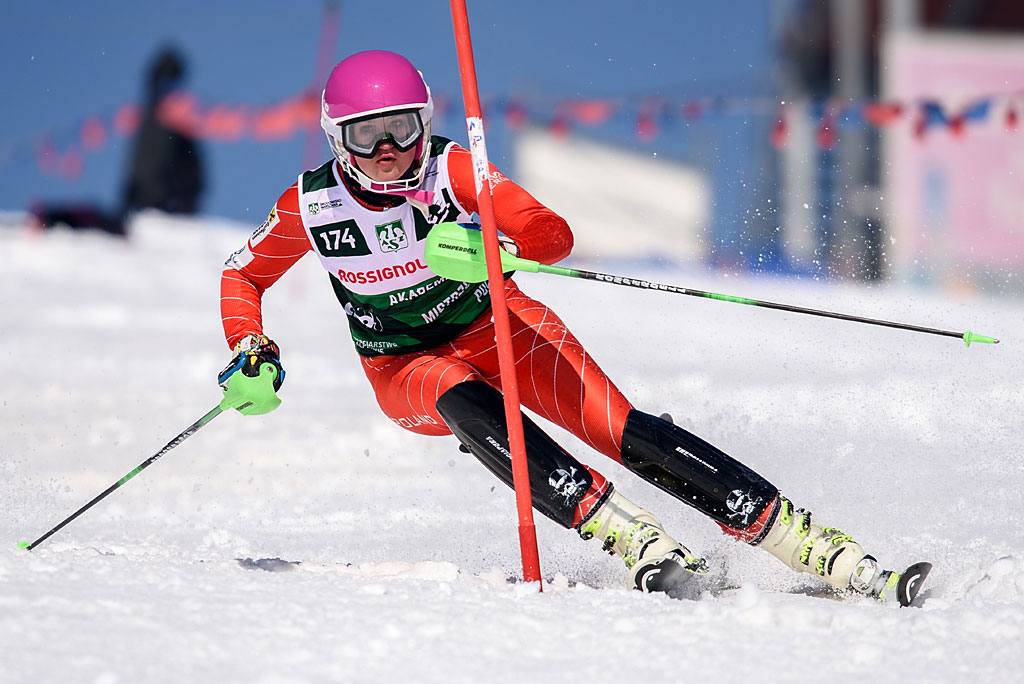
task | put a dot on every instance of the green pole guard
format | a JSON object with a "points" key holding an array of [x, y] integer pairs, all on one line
{"points": [[971, 337], [456, 253]]}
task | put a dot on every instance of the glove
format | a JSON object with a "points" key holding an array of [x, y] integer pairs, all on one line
{"points": [[250, 382], [509, 245], [504, 241]]}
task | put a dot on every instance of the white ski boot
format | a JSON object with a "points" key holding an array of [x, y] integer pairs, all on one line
{"points": [[835, 557], [657, 562]]}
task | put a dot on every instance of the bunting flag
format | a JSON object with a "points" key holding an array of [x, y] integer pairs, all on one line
{"points": [[63, 153], [827, 129], [879, 114], [780, 131]]}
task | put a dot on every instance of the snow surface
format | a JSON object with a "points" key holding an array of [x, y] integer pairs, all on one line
{"points": [[110, 349]]}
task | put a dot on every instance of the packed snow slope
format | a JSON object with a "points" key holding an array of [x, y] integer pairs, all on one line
{"points": [[403, 547]]}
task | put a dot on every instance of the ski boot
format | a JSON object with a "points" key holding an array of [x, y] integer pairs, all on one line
{"points": [[656, 561], [835, 557]]}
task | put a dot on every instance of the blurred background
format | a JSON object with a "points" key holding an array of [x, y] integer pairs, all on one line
{"points": [[822, 139]]}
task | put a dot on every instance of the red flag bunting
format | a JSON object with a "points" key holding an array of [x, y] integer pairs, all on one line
{"points": [[882, 113], [515, 115], [94, 133], [827, 129], [182, 111], [780, 131], [71, 164], [646, 127], [559, 127], [592, 112], [224, 123], [126, 120]]}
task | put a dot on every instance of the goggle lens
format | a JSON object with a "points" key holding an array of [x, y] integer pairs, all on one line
{"points": [[363, 137]]}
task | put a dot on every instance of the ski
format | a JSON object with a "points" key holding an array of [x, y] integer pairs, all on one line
{"points": [[906, 586], [677, 582], [671, 578], [268, 564]]}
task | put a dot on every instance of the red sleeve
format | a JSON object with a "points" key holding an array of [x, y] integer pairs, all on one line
{"points": [[542, 235], [271, 250]]}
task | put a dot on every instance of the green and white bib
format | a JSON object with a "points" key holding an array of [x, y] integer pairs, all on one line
{"points": [[395, 303]]}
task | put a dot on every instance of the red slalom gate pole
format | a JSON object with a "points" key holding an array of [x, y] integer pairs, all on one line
{"points": [[496, 282], [325, 51]]}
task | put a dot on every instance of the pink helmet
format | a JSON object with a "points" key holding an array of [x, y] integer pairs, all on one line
{"points": [[369, 84]]}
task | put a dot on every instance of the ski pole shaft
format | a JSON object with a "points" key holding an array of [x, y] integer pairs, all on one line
{"points": [[967, 336], [456, 252], [188, 432]]}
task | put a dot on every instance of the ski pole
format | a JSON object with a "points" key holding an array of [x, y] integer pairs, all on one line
{"points": [[188, 432], [456, 252]]}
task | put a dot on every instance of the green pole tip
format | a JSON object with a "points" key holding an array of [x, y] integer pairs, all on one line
{"points": [[24, 545], [971, 337]]}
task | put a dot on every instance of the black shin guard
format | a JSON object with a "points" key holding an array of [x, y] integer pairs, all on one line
{"points": [[697, 474], [475, 412]]}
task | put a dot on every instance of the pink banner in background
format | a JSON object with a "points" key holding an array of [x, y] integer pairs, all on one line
{"points": [[957, 199]]}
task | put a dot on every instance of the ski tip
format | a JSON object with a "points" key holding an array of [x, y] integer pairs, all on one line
{"points": [[25, 545], [911, 581], [671, 576]]}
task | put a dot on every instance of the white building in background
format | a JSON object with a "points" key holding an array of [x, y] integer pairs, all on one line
{"points": [[620, 204]]}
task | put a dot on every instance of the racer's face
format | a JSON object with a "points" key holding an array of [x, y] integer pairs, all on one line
{"points": [[388, 163]]}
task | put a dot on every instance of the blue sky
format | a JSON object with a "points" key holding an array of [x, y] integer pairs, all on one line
{"points": [[62, 61]]}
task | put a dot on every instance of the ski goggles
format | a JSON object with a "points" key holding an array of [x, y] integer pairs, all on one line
{"points": [[363, 137]]}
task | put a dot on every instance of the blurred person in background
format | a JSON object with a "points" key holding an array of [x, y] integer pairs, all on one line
{"points": [[165, 171]]}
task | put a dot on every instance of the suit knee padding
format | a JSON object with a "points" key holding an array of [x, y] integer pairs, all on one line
{"points": [[695, 472], [475, 413]]}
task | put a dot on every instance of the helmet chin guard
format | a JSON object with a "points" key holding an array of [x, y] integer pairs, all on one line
{"points": [[369, 83]]}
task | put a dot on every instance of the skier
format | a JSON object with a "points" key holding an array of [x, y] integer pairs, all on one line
{"points": [[427, 344]]}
